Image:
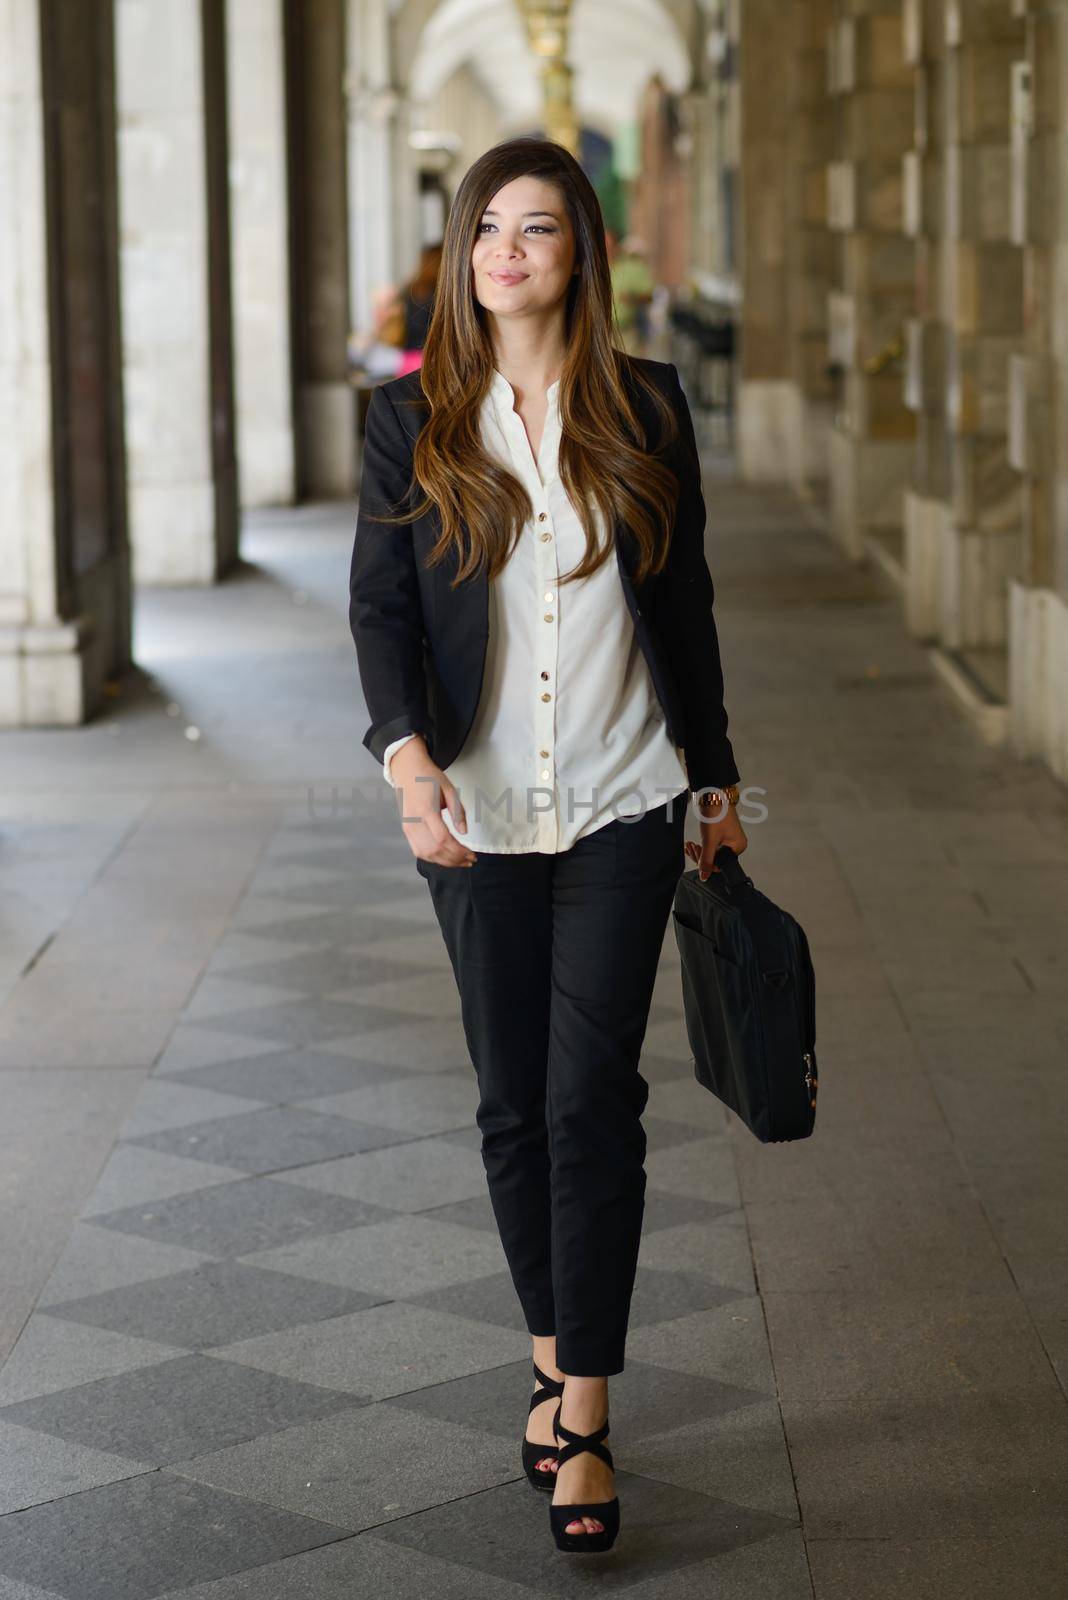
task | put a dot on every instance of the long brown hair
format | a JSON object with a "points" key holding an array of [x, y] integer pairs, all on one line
{"points": [[604, 461]]}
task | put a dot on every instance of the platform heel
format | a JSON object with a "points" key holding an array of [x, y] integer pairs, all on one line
{"points": [[606, 1511]]}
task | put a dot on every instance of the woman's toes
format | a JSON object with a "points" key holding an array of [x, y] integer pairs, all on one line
{"points": [[586, 1525]]}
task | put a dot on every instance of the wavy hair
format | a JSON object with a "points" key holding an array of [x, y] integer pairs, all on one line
{"points": [[604, 460]]}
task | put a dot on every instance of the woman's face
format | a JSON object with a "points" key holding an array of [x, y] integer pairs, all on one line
{"points": [[524, 253]]}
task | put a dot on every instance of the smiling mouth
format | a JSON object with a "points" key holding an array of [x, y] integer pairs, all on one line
{"points": [[507, 278]]}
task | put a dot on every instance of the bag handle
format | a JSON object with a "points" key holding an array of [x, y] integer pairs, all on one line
{"points": [[736, 877], [734, 874]]}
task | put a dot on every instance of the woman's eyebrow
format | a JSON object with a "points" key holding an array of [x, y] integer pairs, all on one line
{"points": [[526, 214]]}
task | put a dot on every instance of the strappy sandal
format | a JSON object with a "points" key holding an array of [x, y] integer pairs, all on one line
{"points": [[606, 1511], [539, 1478]]}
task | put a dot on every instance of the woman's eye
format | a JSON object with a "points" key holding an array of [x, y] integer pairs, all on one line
{"points": [[536, 227]]}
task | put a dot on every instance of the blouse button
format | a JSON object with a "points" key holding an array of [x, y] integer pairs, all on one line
{"points": [[548, 616], [548, 594], [545, 536], [545, 674], [545, 772], [543, 754], [546, 696], [543, 516]]}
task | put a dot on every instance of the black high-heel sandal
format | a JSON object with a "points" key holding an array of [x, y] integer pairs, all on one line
{"points": [[552, 1389], [606, 1511]]}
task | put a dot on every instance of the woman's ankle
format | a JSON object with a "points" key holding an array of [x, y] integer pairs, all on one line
{"points": [[545, 1357], [585, 1403]]}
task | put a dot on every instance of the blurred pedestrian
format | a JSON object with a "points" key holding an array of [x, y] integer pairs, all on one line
{"points": [[417, 307], [632, 293], [400, 318]]}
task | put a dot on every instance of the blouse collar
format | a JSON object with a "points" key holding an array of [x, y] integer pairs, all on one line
{"points": [[503, 392]]}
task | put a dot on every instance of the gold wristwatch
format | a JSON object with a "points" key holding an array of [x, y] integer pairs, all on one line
{"points": [[716, 797]]}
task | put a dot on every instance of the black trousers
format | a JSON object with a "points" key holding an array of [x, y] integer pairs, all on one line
{"points": [[555, 957]]}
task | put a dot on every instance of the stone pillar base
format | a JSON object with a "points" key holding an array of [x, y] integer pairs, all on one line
{"points": [[806, 421], [328, 434], [177, 543], [1038, 671], [866, 487], [971, 691], [51, 674], [924, 517], [974, 568], [765, 428]]}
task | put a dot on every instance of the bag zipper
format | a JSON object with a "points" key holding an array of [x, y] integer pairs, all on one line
{"points": [[810, 1078]]}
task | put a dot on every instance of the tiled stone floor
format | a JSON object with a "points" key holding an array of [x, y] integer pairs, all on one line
{"points": [[261, 1340]]}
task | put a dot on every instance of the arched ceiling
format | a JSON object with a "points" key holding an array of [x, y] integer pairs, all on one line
{"points": [[615, 47]]}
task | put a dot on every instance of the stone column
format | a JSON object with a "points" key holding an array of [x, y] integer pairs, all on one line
{"points": [[701, 120], [872, 436], [767, 62], [319, 259], [407, 22], [176, 289], [465, 109], [810, 251], [64, 579], [714, 218], [372, 104], [981, 547], [927, 494], [1038, 388], [660, 210], [259, 216]]}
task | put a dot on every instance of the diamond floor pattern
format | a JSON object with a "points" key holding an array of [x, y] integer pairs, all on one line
{"points": [[291, 1186], [278, 1355]]}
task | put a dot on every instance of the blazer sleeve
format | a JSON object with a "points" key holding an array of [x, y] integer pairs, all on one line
{"points": [[385, 608], [690, 638]]}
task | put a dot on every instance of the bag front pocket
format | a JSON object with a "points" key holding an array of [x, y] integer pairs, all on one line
{"points": [[721, 1019]]}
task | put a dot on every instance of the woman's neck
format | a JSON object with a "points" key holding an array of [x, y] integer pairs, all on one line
{"points": [[529, 351]]}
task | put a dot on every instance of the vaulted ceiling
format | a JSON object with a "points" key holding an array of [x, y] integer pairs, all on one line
{"points": [[615, 46]]}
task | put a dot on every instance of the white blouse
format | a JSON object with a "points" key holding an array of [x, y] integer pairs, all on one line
{"points": [[569, 733]]}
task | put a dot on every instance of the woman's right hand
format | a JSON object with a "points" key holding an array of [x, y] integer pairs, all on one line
{"points": [[423, 791]]}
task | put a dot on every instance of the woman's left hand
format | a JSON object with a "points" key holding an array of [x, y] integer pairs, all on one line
{"points": [[715, 832]]}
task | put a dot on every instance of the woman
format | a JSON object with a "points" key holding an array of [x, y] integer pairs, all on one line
{"points": [[417, 306], [532, 611]]}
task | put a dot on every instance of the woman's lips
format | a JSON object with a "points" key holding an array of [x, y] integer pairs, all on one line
{"points": [[507, 278]]}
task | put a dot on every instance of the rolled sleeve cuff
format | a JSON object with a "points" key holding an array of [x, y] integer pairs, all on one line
{"points": [[389, 753]]}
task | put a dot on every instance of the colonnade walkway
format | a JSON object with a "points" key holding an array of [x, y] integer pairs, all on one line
{"points": [[260, 1338]]}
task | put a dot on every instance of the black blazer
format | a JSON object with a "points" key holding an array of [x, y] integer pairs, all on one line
{"points": [[421, 647]]}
